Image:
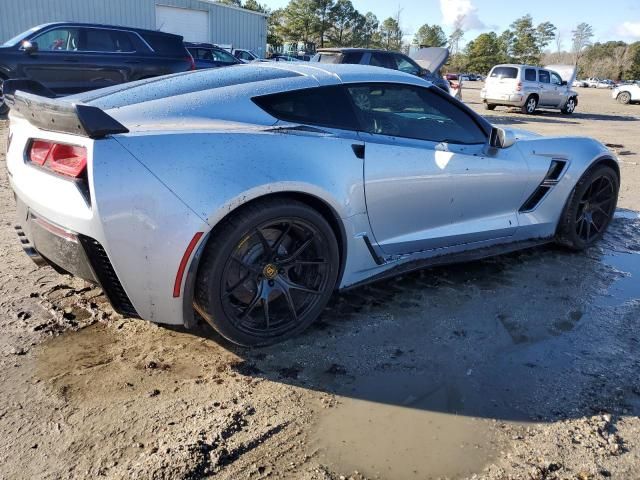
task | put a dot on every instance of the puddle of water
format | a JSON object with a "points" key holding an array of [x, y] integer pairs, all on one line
{"points": [[411, 430]]}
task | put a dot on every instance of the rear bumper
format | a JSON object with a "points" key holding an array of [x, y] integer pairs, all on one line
{"points": [[69, 252]]}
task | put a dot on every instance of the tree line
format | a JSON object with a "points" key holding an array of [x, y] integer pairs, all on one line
{"points": [[337, 23]]}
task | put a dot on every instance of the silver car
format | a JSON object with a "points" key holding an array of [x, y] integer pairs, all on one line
{"points": [[248, 195], [529, 87]]}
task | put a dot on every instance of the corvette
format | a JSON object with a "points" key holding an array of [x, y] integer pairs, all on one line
{"points": [[248, 195]]}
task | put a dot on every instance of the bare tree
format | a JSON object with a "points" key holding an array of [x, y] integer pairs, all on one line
{"points": [[456, 36], [558, 42], [581, 39]]}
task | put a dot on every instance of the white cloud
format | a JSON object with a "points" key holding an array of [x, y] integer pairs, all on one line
{"points": [[628, 30], [452, 10]]}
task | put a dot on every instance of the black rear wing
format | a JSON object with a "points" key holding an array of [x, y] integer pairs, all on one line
{"points": [[47, 113]]}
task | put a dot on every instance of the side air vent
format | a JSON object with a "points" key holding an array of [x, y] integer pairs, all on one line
{"points": [[550, 180], [107, 277]]}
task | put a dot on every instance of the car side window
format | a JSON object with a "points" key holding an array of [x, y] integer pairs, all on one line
{"points": [[353, 58], [223, 57], [382, 59], [530, 75], [322, 106], [58, 40], [406, 66], [101, 40], [413, 112], [555, 79], [543, 76]]}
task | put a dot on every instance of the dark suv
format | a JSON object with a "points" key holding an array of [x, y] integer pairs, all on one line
{"points": [[207, 55], [384, 59], [74, 57]]}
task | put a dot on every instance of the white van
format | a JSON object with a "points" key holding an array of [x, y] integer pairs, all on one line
{"points": [[529, 87]]}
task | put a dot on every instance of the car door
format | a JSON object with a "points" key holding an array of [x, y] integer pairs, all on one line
{"points": [[428, 182], [54, 63], [547, 96], [556, 95], [107, 57]]}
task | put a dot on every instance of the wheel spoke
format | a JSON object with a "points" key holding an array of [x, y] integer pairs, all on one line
{"points": [[253, 303], [292, 306], [236, 285], [595, 226], [311, 262], [588, 230], [265, 309], [299, 251], [265, 244], [296, 286], [280, 239]]}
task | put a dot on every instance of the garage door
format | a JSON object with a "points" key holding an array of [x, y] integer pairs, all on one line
{"points": [[193, 25]]}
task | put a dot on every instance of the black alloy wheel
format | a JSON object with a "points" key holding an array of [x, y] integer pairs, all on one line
{"points": [[596, 208], [268, 273]]}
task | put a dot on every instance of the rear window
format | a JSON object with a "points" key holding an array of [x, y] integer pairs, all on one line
{"points": [[328, 57], [323, 106], [170, 45], [504, 72], [530, 75], [543, 76]]}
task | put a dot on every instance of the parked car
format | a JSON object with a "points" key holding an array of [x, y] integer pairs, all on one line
{"points": [[627, 93], [70, 57], [426, 63], [580, 83], [253, 210], [593, 82], [280, 57], [246, 56], [207, 55], [529, 87]]}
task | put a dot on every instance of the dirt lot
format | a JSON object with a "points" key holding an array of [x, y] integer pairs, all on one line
{"points": [[524, 366]]}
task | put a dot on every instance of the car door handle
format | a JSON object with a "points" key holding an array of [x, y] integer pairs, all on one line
{"points": [[358, 150]]}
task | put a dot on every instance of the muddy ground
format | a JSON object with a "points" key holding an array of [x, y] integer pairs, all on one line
{"points": [[525, 366]]}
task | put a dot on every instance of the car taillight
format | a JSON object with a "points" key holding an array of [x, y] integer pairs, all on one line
{"points": [[192, 62], [519, 86], [70, 160]]}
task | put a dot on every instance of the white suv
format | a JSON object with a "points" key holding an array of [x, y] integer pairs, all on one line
{"points": [[530, 87]]}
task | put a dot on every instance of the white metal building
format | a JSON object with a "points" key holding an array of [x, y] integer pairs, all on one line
{"points": [[195, 20]]}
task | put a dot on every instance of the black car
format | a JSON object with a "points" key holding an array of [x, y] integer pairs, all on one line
{"points": [[75, 57], [385, 59], [207, 55]]}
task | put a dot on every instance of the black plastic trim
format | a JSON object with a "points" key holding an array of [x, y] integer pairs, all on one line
{"points": [[107, 277]]}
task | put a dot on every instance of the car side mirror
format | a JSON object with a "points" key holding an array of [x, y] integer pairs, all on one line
{"points": [[30, 47], [564, 82], [423, 72], [501, 138]]}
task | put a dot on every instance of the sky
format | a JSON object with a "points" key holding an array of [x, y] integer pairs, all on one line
{"points": [[611, 20]]}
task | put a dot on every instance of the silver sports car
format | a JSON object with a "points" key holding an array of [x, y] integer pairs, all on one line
{"points": [[247, 195]]}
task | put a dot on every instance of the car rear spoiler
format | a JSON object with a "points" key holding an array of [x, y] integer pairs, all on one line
{"points": [[37, 104]]}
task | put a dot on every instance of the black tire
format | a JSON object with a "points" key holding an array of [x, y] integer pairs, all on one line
{"points": [[489, 106], [624, 98], [530, 105], [4, 108], [570, 106], [589, 209], [267, 272]]}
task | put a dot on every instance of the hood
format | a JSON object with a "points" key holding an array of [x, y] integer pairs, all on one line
{"points": [[566, 72], [431, 58]]}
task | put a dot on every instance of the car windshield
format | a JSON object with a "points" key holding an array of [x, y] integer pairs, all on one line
{"points": [[15, 40]]}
